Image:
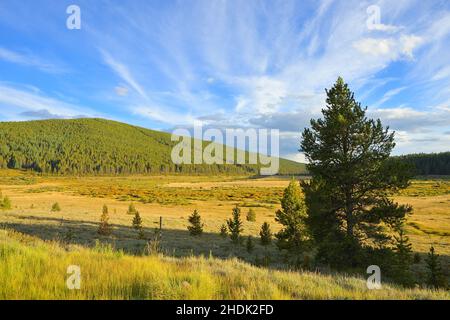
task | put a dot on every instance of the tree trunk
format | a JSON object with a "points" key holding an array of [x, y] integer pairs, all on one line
{"points": [[349, 213]]}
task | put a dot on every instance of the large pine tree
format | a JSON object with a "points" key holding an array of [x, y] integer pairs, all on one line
{"points": [[348, 198]]}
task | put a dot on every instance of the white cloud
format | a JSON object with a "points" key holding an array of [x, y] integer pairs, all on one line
{"points": [[389, 47], [29, 60], [411, 120], [385, 27], [408, 43], [375, 47], [299, 157], [17, 103]]}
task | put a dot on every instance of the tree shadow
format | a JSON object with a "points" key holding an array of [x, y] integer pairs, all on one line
{"points": [[173, 242]]}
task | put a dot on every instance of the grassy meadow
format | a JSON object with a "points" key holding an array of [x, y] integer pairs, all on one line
{"points": [[207, 267], [33, 269]]}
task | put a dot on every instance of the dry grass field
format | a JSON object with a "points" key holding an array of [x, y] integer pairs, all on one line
{"points": [[174, 198]]}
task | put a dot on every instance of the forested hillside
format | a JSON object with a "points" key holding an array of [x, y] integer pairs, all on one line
{"points": [[99, 146], [429, 164]]}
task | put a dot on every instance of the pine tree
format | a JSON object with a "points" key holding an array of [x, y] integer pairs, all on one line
{"points": [[196, 227], [6, 203], [137, 224], [249, 244], [294, 234], [235, 225], [348, 198], [131, 209], [265, 234], [56, 207], [223, 231], [436, 278], [104, 228], [251, 215], [403, 257]]}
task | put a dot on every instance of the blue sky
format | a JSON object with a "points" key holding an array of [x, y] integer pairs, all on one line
{"points": [[263, 64]]}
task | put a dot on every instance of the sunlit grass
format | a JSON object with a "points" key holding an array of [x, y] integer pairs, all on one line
{"points": [[32, 269]]}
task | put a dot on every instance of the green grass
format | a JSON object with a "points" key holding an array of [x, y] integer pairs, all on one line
{"points": [[33, 269]]}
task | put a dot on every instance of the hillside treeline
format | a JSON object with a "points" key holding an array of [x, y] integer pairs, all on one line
{"points": [[429, 164], [98, 146]]}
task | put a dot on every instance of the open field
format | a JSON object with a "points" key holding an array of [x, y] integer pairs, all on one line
{"points": [[174, 198]]}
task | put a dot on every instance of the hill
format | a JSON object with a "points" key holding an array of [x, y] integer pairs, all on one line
{"points": [[99, 146], [34, 269]]}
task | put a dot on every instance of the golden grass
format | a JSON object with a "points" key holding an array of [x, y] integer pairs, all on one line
{"points": [[32, 269]]}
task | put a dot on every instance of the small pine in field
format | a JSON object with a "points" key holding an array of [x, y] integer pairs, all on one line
{"points": [[249, 244], [137, 225], [56, 207], [251, 215], [131, 209], [6, 203], [265, 234], [223, 231], [196, 227], [436, 278], [403, 258], [235, 225], [104, 228]]}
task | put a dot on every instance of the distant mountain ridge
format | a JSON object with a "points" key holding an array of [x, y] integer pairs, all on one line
{"points": [[98, 146]]}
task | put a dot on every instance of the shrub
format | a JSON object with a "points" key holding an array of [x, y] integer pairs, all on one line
{"points": [[56, 207], [251, 215]]}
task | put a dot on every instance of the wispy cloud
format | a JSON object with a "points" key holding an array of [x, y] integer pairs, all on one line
{"points": [[30, 60], [257, 63], [18, 103], [123, 72], [388, 95]]}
